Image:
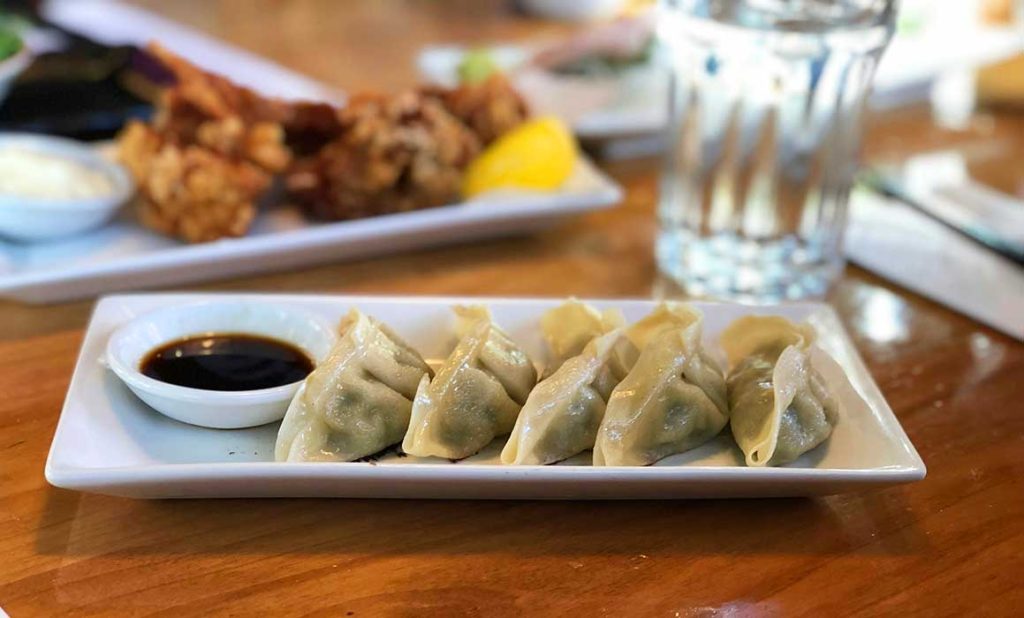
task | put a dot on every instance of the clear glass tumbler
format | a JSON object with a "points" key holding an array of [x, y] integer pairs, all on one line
{"points": [[767, 101]]}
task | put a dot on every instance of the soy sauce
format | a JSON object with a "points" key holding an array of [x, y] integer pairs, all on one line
{"points": [[227, 362]]}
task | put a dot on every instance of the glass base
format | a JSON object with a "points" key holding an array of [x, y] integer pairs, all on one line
{"points": [[728, 267]]}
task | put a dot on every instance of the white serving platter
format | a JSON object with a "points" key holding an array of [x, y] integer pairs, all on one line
{"points": [[125, 256], [107, 441]]}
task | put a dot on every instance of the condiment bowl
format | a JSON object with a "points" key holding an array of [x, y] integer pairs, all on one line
{"points": [[130, 344], [31, 219]]}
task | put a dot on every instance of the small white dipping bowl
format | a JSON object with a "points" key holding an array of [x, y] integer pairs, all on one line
{"points": [[31, 219], [129, 345]]}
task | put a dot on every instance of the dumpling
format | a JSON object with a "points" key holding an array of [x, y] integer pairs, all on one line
{"points": [[779, 405], [667, 315], [476, 395], [672, 400], [562, 414], [564, 411], [357, 401], [569, 327]]}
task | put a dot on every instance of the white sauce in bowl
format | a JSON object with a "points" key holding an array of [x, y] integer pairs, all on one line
{"points": [[28, 173]]}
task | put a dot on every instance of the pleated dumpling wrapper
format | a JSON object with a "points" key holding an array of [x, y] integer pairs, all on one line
{"points": [[780, 407], [476, 395], [672, 400], [357, 401], [569, 327], [562, 414], [666, 316]]}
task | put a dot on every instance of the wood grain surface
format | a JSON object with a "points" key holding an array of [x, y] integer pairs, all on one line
{"points": [[948, 546]]}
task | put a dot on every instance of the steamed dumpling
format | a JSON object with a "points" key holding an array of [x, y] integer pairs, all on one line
{"points": [[672, 400], [562, 414], [357, 401], [779, 405], [564, 411], [569, 327], [476, 395], [667, 315]]}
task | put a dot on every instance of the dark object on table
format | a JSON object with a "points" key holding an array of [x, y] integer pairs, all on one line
{"points": [[85, 91]]}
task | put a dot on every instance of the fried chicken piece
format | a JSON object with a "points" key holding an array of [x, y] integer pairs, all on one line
{"points": [[393, 154], [200, 97], [137, 144], [213, 148], [490, 108], [309, 126], [206, 109], [210, 152], [261, 143], [203, 95], [189, 191], [406, 152]]}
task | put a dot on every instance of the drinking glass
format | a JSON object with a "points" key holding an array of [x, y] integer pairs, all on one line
{"points": [[766, 108]]}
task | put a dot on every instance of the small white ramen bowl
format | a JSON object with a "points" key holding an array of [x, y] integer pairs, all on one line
{"points": [[34, 219], [130, 344]]}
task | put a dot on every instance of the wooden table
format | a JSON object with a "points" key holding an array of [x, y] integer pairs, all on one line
{"points": [[949, 545]]}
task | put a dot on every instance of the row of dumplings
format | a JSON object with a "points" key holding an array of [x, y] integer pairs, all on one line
{"points": [[632, 394]]}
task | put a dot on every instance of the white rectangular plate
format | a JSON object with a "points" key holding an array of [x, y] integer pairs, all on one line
{"points": [[108, 441], [124, 256]]}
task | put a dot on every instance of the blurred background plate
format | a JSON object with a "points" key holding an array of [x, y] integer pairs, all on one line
{"points": [[631, 102], [125, 256]]}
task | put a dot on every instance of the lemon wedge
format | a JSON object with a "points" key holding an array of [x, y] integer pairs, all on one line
{"points": [[537, 155]]}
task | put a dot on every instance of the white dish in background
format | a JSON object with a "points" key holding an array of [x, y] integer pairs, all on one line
{"points": [[38, 218], [631, 103], [572, 10], [108, 441], [634, 103], [127, 347], [125, 256]]}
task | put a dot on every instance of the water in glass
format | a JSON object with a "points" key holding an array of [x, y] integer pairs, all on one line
{"points": [[767, 100]]}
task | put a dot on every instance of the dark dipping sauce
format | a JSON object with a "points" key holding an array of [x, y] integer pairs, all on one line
{"points": [[227, 362]]}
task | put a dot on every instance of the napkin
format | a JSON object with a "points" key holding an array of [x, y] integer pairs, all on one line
{"points": [[907, 247]]}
